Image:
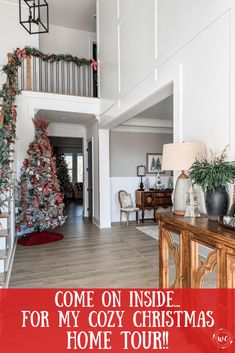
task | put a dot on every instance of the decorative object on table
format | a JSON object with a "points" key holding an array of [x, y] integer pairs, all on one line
{"points": [[154, 163], [40, 200], [126, 206], [192, 208], [37, 19], [213, 173], [227, 222], [158, 181], [180, 157], [141, 172], [146, 184], [170, 183]]}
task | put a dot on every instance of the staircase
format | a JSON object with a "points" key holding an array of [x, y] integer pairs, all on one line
{"points": [[7, 239]]}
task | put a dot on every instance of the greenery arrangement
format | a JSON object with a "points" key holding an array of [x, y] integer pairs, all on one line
{"points": [[8, 95], [213, 172]]}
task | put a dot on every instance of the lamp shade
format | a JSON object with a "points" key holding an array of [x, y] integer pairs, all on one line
{"points": [[141, 170], [181, 156]]}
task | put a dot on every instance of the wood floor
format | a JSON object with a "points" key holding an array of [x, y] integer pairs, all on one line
{"points": [[89, 257]]}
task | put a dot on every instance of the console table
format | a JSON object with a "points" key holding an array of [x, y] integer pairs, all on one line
{"points": [[152, 200], [180, 243]]}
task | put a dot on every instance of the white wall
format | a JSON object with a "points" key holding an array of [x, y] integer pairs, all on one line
{"points": [[190, 43], [28, 103], [186, 44], [66, 130], [129, 184], [128, 149], [12, 34], [62, 40]]}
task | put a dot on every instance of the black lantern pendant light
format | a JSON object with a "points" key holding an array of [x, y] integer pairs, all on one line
{"points": [[37, 18]]}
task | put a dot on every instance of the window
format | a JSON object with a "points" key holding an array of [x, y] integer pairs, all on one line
{"points": [[79, 168], [69, 159]]}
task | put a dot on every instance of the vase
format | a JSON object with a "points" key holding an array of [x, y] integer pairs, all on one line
{"points": [[217, 202]]}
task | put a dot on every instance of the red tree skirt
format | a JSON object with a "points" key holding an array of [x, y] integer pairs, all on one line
{"points": [[39, 238]]}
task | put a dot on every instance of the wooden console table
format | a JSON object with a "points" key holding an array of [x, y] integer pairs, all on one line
{"points": [[192, 267], [152, 200]]}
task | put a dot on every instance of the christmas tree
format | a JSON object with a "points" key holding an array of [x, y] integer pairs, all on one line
{"points": [[66, 186], [40, 200]]}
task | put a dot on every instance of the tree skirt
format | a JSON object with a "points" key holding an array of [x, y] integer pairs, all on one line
{"points": [[38, 238]]}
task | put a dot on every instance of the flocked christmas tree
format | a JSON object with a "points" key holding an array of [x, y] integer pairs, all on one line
{"points": [[66, 186], [40, 200]]}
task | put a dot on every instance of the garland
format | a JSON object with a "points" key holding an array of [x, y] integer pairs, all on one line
{"points": [[8, 96]]}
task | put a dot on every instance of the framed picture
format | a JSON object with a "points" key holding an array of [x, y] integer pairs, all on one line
{"points": [[154, 163]]}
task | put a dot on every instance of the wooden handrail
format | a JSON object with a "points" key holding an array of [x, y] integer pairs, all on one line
{"points": [[1, 115]]}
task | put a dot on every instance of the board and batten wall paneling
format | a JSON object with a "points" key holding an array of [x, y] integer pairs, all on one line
{"points": [[206, 113], [128, 149], [108, 51], [136, 51], [179, 22]]}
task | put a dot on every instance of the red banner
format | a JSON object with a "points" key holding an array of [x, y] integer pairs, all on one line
{"points": [[117, 320]]}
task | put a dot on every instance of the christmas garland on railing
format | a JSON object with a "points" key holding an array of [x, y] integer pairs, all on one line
{"points": [[8, 96]]}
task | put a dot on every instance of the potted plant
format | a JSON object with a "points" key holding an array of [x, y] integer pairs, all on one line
{"points": [[213, 174]]}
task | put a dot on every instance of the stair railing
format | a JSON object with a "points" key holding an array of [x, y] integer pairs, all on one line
{"points": [[61, 74]]}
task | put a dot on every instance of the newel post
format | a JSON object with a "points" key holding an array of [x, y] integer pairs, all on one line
{"points": [[28, 73]]}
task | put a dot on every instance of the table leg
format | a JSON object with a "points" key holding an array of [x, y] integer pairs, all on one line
{"points": [[142, 215]]}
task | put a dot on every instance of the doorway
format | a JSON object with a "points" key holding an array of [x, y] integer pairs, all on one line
{"points": [[69, 151]]}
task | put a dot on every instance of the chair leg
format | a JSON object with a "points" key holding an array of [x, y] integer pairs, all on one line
{"points": [[120, 216], [127, 219]]}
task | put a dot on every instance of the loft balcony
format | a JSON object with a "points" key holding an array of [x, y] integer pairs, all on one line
{"points": [[58, 74]]}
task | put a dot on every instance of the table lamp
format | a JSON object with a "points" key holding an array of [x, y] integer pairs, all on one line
{"points": [[180, 157], [141, 172]]}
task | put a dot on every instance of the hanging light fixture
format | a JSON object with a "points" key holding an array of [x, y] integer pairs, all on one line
{"points": [[37, 18]]}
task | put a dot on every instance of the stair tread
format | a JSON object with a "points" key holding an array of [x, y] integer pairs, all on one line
{"points": [[3, 253], [5, 215], [2, 278], [4, 233]]}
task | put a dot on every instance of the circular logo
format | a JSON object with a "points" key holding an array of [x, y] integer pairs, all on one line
{"points": [[222, 338]]}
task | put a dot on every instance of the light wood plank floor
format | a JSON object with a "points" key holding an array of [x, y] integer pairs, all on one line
{"points": [[89, 257]]}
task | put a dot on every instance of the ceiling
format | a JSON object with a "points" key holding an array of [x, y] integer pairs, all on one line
{"points": [[66, 117], [78, 14], [156, 119]]}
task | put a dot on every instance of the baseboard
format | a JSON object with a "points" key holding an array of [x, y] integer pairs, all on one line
{"points": [[10, 264], [96, 222]]}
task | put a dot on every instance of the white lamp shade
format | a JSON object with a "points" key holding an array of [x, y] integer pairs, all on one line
{"points": [[181, 156]]}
